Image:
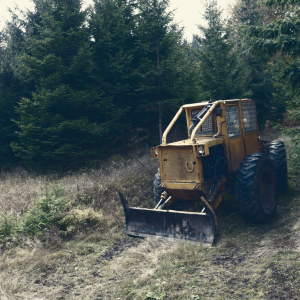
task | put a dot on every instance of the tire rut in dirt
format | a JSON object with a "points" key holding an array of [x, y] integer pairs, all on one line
{"points": [[118, 248]]}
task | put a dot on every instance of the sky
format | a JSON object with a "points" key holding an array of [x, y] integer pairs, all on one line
{"points": [[187, 12]]}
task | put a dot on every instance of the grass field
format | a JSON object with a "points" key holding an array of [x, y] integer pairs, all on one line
{"points": [[76, 248]]}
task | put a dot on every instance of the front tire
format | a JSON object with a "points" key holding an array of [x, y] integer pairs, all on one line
{"points": [[256, 188], [277, 154], [157, 190]]}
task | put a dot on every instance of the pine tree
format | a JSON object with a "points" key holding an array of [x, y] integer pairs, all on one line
{"points": [[259, 84], [10, 91], [13, 84], [279, 43], [64, 119], [112, 26], [221, 75], [166, 76]]}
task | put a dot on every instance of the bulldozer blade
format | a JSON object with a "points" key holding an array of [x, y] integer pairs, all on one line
{"points": [[181, 226]]}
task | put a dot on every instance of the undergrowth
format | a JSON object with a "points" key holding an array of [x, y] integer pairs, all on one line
{"points": [[52, 215], [8, 226], [59, 207]]}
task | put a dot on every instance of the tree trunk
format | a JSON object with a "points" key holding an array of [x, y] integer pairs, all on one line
{"points": [[159, 97]]}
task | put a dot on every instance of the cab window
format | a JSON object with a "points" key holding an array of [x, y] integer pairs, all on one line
{"points": [[249, 117], [208, 127], [233, 122]]}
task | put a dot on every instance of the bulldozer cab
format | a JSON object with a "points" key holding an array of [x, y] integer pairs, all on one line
{"points": [[221, 134], [231, 123], [239, 129]]}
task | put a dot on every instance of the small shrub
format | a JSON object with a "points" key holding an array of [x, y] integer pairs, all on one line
{"points": [[54, 215], [80, 220], [8, 226], [46, 213]]}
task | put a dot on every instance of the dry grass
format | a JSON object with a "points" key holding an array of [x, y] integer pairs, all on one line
{"points": [[18, 190], [248, 261], [251, 262], [97, 188], [90, 190]]}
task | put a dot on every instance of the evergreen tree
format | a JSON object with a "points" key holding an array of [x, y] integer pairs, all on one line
{"points": [[10, 91], [13, 83], [166, 76], [259, 83], [279, 43], [112, 26], [64, 119], [221, 76]]}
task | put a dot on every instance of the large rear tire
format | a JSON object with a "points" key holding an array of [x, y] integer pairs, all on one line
{"points": [[277, 154], [157, 190], [256, 188]]}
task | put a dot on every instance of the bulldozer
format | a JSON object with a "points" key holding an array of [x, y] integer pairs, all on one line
{"points": [[222, 155]]}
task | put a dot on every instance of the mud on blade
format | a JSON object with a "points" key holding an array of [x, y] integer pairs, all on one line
{"points": [[181, 226]]}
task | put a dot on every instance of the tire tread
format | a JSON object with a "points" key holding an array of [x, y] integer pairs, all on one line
{"points": [[277, 154], [247, 187]]}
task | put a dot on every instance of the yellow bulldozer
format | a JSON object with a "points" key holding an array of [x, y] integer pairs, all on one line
{"points": [[223, 154]]}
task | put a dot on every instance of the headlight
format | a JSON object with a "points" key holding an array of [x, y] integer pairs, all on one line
{"points": [[201, 150]]}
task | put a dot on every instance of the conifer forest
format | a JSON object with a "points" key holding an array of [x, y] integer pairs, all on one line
{"points": [[77, 86]]}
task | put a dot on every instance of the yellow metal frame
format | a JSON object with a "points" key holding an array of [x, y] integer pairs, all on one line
{"points": [[164, 137], [196, 185]]}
